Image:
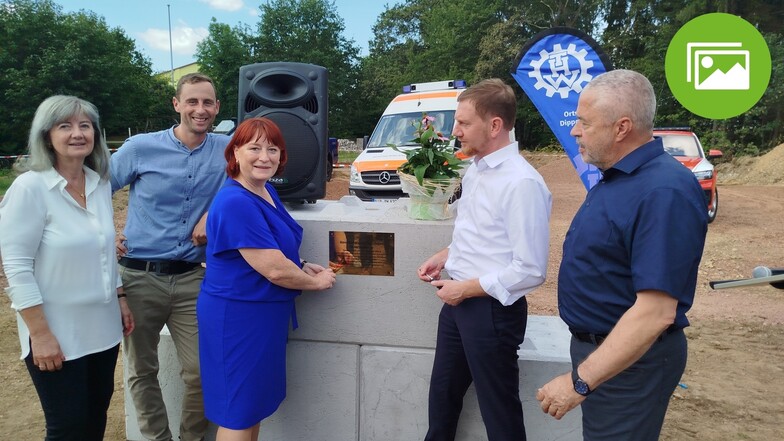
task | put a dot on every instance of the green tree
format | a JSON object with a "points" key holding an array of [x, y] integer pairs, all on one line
{"points": [[311, 31], [392, 61], [220, 56], [501, 46], [44, 52], [438, 39], [637, 34]]}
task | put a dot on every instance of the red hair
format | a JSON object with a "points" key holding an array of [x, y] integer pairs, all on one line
{"points": [[250, 130]]}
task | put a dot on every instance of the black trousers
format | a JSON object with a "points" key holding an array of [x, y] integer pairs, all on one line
{"points": [[478, 341], [75, 398], [631, 406]]}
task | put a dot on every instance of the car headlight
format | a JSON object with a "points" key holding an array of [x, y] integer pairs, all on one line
{"points": [[706, 174], [354, 177]]}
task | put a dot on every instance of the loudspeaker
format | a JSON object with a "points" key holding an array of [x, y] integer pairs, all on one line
{"points": [[294, 96]]}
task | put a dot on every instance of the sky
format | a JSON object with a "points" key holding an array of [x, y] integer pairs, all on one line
{"points": [[147, 22]]}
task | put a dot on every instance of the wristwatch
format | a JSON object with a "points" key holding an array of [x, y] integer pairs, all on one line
{"points": [[580, 386]]}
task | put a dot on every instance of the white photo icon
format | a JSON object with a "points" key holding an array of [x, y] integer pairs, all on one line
{"points": [[704, 65]]}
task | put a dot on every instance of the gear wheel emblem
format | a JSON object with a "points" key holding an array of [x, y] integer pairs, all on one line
{"points": [[560, 78]]}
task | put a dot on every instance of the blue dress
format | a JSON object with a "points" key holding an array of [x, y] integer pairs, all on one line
{"points": [[243, 317]]}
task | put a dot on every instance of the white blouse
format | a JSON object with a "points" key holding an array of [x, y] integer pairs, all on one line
{"points": [[62, 256]]}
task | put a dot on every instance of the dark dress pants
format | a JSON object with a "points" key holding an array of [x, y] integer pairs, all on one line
{"points": [[631, 406], [75, 398], [478, 341]]}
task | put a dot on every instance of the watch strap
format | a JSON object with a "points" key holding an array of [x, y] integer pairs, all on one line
{"points": [[580, 386]]}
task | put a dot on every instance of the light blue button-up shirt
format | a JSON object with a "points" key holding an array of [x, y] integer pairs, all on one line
{"points": [[172, 186]]}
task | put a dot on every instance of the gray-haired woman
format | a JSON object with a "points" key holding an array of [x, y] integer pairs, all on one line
{"points": [[57, 245]]}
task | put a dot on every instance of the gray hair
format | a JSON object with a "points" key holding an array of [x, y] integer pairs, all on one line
{"points": [[52, 111], [627, 93]]}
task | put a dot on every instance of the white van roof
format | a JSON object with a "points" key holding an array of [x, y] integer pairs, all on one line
{"points": [[434, 85], [427, 97]]}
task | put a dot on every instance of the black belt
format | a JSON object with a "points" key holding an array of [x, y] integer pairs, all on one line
{"points": [[168, 267], [597, 339]]}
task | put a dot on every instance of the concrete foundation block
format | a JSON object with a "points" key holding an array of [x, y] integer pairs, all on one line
{"points": [[395, 383], [359, 366], [321, 394], [367, 309], [172, 387]]}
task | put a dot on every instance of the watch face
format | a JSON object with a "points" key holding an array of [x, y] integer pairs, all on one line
{"points": [[581, 387]]}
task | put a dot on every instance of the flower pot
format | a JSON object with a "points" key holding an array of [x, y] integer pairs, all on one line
{"points": [[429, 201]]}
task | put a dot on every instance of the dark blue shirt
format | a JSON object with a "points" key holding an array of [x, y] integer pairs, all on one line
{"points": [[240, 219], [642, 227]]}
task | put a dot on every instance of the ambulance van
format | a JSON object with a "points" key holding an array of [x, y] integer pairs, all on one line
{"points": [[374, 172]]}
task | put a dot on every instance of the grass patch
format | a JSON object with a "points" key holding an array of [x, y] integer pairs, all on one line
{"points": [[6, 178], [347, 157]]}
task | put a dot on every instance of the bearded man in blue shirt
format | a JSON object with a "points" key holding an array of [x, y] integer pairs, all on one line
{"points": [[498, 254], [629, 267], [173, 174]]}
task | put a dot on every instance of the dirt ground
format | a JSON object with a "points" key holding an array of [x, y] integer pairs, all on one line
{"points": [[732, 388]]}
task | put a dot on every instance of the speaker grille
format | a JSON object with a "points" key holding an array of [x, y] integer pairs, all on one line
{"points": [[302, 148], [312, 105], [252, 104], [294, 96]]}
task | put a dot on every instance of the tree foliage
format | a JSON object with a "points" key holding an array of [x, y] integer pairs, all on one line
{"points": [[417, 40], [637, 34], [220, 56], [46, 52], [301, 31], [311, 31]]}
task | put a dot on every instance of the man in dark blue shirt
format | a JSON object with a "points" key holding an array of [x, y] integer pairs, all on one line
{"points": [[629, 267]]}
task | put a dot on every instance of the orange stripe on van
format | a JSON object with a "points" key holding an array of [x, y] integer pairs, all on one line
{"points": [[425, 95], [390, 165]]}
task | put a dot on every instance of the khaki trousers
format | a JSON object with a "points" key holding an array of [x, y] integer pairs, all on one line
{"points": [[156, 300]]}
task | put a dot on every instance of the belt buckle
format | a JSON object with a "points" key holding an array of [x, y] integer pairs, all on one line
{"points": [[157, 268], [164, 268]]}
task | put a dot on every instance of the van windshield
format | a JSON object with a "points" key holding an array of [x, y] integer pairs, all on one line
{"points": [[398, 129]]}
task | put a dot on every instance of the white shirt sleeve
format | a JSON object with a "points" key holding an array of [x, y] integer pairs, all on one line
{"points": [[22, 219], [526, 213]]}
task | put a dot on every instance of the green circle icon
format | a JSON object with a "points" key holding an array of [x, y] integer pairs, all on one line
{"points": [[718, 66]]}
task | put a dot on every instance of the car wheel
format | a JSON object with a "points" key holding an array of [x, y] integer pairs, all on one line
{"points": [[712, 212]]}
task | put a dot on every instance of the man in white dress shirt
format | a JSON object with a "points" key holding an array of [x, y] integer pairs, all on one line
{"points": [[498, 254]]}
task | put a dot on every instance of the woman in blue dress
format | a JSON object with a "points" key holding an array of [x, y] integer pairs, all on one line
{"points": [[253, 275]]}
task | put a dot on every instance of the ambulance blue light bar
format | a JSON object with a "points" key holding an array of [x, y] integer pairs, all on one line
{"points": [[434, 85]]}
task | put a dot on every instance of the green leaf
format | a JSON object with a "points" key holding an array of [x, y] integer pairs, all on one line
{"points": [[419, 173]]}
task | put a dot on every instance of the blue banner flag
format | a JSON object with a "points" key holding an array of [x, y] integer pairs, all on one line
{"points": [[552, 68]]}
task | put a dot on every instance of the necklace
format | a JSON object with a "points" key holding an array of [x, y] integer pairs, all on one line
{"points": [[71, 184], [75, 190], [81, 195]]}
